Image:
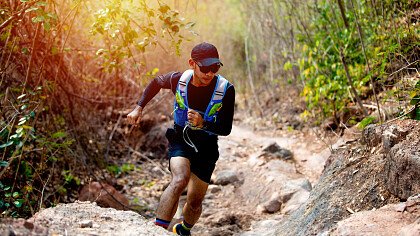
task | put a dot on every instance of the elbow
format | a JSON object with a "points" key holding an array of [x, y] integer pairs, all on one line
{"points": [[226, 132]]}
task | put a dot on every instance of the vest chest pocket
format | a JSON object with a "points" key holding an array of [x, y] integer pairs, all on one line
{"points": [[180, 115]]}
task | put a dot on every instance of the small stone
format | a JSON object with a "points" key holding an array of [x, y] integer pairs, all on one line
{"points": [[226, 177], [28, 225], [86, 224], [214, 188], [261, 209], [400, 207], [106, 217], [272, 206], [275, 150], [271, 148]]}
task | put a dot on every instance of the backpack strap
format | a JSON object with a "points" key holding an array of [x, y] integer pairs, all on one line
{"points": [[183, 81], [220, 90]]}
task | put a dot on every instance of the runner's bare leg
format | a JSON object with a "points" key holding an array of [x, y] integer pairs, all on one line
{"points": [[168, 204], [196, 192]]}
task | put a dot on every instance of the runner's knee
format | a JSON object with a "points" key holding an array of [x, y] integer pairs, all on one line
{"points": [[179, 183]]}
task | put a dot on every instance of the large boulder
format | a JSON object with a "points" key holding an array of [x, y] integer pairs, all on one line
{"points": [[82, 218], [402, 168], [104, 195], [381, 170], [393, 219]]}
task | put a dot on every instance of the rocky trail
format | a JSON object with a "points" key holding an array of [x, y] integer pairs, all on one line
{"points": [[257, 175], [266, 183]]}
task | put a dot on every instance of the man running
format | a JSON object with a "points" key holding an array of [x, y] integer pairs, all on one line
{"points": [[203, 109]]}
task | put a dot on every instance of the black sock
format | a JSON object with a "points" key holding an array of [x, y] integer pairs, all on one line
{"points": [[186, 225], [183, 228]]}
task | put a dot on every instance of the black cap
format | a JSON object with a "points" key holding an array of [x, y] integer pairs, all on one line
{"points": [[205, 54]]}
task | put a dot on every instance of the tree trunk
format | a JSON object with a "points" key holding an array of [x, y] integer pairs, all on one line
{"points": [[359, 30], [343, 12]]}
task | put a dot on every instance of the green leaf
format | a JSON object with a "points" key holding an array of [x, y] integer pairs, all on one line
{"points": [[54, 50], [6, 145], [21, 96], [41, 4], [38, 19], [31, 9], [22, 122], [15, 195], [47, 26], [15, 136], [18, 203], [366, 121], [417, 117], [3, 164], [59, 134], [415, 100], [287, 66]]}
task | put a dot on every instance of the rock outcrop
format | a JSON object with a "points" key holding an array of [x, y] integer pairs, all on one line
{"points": [[82, 218], [394, 219], [361, 177], [104, 195], [402, 168]]}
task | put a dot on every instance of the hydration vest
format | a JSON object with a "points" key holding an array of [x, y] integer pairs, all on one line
{"points": [[181, 99]]}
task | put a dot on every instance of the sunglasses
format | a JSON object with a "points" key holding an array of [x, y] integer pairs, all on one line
{"points": [[206, 69]]}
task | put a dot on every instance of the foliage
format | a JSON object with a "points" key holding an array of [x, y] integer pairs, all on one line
{"points": [[52, 97], [415, 101], [123, 169], [366, 121], [27, 153], [341, 51], [126, 33], [369, 43]]}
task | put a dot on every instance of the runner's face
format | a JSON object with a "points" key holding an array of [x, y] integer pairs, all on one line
{"points": [[200, 78]]}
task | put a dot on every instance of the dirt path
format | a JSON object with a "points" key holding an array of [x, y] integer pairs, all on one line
{"points": [[308, 150], [230, 209]]}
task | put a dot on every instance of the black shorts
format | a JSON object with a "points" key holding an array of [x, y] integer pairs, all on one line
{"points": [[202, 162]]}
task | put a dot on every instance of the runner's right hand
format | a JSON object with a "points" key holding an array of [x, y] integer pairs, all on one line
{"points": [[134, 117]]}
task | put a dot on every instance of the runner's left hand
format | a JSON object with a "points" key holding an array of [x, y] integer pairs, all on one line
{"points": [[195, 118]]}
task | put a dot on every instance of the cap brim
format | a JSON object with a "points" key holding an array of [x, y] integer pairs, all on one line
{"points": [[210, 61]]}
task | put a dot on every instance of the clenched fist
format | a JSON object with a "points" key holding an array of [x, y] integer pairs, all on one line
{"points": [[195, 118], [135, 116]]}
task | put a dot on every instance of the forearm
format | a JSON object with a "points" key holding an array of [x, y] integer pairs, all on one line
{"points": [[222, 129], [166, 81], [149, 93]]}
